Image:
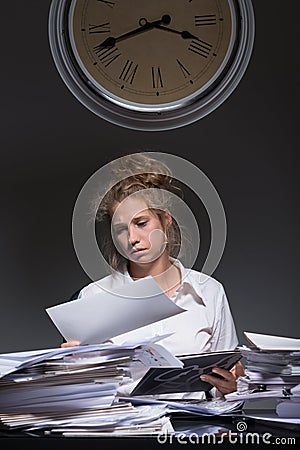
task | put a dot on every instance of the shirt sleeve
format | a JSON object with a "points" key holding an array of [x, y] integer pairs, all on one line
{"points": [[90, 289], [224, 334]]}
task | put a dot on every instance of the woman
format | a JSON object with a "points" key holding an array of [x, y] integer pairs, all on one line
{"points": [[144, 240]]}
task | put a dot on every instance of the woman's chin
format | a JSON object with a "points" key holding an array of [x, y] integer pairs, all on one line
{"points": [[145, 257]]}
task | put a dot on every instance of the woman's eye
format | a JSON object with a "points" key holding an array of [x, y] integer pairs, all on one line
{"points": [[119, 231], [141, 224]]}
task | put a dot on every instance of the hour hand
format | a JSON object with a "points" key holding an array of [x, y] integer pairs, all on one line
{"points": [[109, 42]]}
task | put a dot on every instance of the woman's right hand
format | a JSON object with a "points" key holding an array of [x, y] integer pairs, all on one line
{"points": [[70, 344]]}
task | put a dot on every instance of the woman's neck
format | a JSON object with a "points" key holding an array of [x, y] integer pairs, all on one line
{"points": [[166, 275], [153, 268]]}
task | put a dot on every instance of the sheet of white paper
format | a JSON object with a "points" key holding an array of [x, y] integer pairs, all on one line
{"points": [[100, 317], [269, 342]]}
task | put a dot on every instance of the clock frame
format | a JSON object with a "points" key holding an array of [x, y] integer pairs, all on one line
{"points": [[154, 66]]}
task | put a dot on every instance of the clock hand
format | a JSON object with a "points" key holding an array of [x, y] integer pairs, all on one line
{"points": [[184, 34], [144, 26]]}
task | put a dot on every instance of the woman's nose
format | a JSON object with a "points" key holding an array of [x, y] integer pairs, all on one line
{"points": [[133, 237]]}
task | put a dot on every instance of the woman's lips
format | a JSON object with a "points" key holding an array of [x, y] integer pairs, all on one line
{"points": [[139, 250]]}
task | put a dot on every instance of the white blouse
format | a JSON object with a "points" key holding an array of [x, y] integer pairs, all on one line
{"points": [[205, 326]]}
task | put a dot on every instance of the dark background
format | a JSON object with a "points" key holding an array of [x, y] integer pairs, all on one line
{"points": [[51, 144]]}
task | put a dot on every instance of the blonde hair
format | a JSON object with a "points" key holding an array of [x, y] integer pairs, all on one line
{"points": [[152, 178]]}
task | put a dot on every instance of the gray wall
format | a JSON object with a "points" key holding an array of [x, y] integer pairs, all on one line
{"points": [[51, 144]]}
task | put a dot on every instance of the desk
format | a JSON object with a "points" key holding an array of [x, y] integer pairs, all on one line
{"points": [[187, 429]]}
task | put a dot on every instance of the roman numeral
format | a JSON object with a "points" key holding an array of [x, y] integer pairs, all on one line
{"points": [[201, 48], [101, 28], [156, 78], [107, 55], [209, 19], [128, 72], [109, 4], [183, 69]]}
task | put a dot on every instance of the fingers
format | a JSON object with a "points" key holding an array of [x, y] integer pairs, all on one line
{"points": [[229, 376], [226, 385], [70, 344], [239, 370]]}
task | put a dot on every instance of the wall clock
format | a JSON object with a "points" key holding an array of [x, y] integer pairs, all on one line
{"points": [[151, 65]]}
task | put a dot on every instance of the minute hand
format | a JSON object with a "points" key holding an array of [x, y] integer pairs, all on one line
{"points": [[184, 34]]}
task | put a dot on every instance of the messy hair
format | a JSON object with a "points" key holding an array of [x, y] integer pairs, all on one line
{"points": [[153, 180]]}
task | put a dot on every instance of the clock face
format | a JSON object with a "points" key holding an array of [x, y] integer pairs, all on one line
{"points": [[152, 55]]}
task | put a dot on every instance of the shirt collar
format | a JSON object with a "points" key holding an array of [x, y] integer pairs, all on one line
{"points": [[190, 277], [187, 276]]}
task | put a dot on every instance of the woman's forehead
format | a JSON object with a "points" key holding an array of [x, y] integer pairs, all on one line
{"points": [[129, 209]]}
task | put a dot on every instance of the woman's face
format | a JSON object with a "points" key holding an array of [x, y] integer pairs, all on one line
{"points": [[137, 232]]}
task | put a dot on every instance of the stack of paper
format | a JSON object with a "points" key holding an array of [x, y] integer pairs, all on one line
{"points": [[120, 418], [272, 372], [214, 407], [77, 387]]}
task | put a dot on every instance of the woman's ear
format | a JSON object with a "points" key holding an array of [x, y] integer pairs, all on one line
{"points": [[168, 218]]}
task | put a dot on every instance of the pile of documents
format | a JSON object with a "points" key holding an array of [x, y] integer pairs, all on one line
{"points": [[76, 391], [79, 391], [272, 371], [76, 388]]}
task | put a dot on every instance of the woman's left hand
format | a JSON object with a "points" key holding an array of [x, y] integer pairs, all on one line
{"points": [[228, 383]]}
